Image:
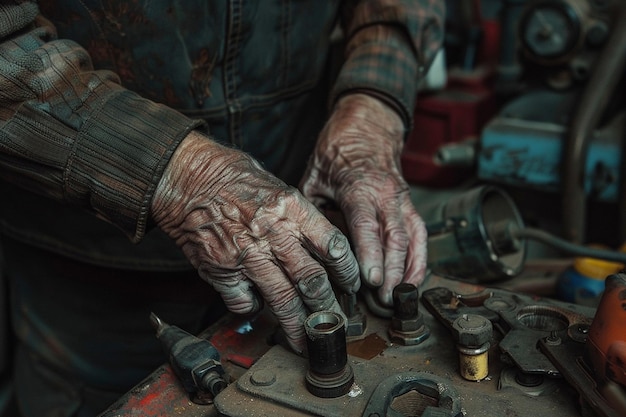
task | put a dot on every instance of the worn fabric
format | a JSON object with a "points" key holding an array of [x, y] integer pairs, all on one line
{"points": [[96, 145]]}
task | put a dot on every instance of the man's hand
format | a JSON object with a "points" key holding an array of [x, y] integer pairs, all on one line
{"points": [[357, 165], [250, 234]]}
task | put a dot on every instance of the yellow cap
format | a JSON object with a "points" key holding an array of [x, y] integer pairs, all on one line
{"points": [[598, 268]]}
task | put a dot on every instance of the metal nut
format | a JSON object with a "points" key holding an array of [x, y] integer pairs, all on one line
{"points": [[407, 325], [409, 338], [356, 325], [472, 330]]}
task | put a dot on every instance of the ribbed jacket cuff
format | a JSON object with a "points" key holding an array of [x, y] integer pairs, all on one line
{"points": [[120, 155]]}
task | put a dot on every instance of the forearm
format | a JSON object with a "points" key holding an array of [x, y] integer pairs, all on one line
{"points": [[74, 134]]}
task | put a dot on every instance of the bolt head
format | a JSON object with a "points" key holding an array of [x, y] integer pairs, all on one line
{"points": [[472, 330]]}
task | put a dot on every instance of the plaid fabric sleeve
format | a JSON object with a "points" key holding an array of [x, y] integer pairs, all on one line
{"points": [[390, 45], [74, 134]]}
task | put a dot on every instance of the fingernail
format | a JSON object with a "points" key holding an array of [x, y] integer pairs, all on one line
{"points": [[375, 276]]}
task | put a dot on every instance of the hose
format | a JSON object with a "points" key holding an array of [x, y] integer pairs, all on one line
{"points": [[568, 247]]}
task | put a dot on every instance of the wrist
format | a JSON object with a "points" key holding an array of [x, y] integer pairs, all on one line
{"points": [[373, 109], [191, 172]]}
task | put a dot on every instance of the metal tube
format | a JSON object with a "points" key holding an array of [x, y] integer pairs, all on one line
{"points": [[326, 342], [329, 375], [608, 71]]}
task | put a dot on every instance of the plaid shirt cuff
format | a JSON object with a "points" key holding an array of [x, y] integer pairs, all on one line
{"points": [[389, 72], [391, 43]]}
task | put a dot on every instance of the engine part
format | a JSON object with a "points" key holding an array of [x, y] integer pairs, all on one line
{"points": [[509, 68], [472, 334], [448, 400], [532, 385], [522, 320], [524, 147], [195, 361], [561, 39], [460, 241], [329, 375], [357, 320], [407, 324], [550, 30], [275, 384], [443, 118], [606, 345], [591, 358], [479, 236]]}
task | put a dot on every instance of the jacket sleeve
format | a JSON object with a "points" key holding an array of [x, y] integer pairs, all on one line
{"points": [[74, 134], [390, 45]]}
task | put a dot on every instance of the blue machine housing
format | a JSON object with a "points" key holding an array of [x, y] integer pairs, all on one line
{"points": [[524, 147]]}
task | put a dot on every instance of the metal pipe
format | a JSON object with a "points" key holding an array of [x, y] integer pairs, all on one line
{"points": [[329, 375], [509, 68], [608, 71]]}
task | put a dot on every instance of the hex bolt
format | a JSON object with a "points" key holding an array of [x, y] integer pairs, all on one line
{"points": [[473, 333], [357, 321], [407, 324]]}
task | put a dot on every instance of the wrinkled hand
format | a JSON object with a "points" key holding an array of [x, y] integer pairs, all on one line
{"points": [[248, 233], [356, 164]]}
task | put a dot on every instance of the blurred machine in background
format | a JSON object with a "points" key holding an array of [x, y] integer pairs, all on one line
{"points": [[534, 102]]}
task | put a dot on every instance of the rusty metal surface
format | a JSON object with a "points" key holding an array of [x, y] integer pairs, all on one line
{"points": [[160, 394], [438, 356], [521, 319], [245, 343]]}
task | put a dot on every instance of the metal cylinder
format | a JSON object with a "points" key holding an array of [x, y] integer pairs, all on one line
{"points": [[462, 242], [473, 333], [329, 373], [405, 301], [474, 363]]}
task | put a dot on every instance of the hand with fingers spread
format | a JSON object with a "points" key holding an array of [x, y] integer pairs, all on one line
{"points": [[356, 164], [250, 234]]}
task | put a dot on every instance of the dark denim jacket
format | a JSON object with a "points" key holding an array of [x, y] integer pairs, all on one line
{"points": [[254, 73], [237, 64]]}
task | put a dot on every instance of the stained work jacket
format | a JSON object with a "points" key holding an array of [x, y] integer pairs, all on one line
{"points": [[95, 97]]}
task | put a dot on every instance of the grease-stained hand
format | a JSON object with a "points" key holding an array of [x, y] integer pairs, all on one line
{"points": [[251, 235], [356, 165]]}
